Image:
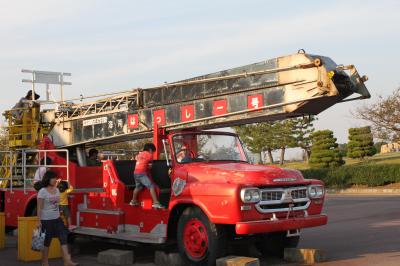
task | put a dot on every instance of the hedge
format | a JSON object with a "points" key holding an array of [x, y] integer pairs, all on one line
{"points": [[346, 176]]}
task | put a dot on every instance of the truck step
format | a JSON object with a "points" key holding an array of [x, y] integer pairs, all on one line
{"points": [[124, 236], [99, 211], [110, 221]]}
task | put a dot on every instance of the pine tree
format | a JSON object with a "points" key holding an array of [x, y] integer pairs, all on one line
{"points": [[259, 138], [361, 143], [303, 129], [285, 136], [324, 151], [270, 136]]}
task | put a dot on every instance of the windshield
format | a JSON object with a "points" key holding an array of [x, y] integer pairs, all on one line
{"points": [[208, 147]]}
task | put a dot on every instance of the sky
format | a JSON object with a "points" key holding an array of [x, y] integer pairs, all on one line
{"points": [[111, 46]]}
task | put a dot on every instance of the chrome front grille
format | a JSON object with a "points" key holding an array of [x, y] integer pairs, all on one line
{"points": [[271, 195], [299, 193], [282, 206], [282, 199]]}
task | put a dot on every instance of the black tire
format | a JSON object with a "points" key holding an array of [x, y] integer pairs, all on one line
{"points": [[32, 212], [275, 243], [211, 242]]}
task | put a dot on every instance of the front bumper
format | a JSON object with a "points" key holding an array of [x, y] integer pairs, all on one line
{"points": [[268, 226]]}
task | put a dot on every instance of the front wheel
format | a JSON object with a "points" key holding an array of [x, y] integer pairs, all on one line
{"points": [[275, 243], [200, 241]]}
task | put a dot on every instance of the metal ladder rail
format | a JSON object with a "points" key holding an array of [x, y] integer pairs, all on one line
{"points": [[45, 152], [7, 163]]}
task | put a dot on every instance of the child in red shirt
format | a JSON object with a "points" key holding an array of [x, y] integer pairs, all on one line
{"points": [[143, 165]]}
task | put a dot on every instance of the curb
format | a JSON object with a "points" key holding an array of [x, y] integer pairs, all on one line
{"points": [[377, 191]]}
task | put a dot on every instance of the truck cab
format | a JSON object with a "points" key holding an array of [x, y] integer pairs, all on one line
{"points": [[211, 174]]}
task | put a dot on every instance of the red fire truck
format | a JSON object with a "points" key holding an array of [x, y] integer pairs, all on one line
{"points": [[213, 194]]}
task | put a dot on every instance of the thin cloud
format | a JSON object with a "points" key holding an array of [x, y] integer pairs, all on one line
{"points": [[29, 14], [318, 27]]}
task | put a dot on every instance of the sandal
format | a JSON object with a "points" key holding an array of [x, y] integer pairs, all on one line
{"points": [[134, 203]]}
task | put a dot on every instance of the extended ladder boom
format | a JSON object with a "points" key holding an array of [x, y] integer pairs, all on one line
{"points": [[279, 88]]}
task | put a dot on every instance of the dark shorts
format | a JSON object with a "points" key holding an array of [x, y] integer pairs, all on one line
{"points": [[54, 229], [65, 210], [142, 181]]}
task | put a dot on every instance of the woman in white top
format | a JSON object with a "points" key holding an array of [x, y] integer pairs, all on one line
{"points": [[42, 169], [48, 199]]}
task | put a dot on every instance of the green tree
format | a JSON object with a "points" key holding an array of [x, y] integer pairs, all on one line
{"points": [[303, 128], [129, 148], [361, 143], [324, 150], [259, 138], [284, 136]]}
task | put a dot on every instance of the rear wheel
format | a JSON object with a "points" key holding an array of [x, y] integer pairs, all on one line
{"points": [[200, 241], [275, 243], [32, 212]]}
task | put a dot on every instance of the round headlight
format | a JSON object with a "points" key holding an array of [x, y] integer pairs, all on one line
{"points": [[250, 195], [320, 191], [316, 191], [247, 196], [313, 192], [255, 195]]}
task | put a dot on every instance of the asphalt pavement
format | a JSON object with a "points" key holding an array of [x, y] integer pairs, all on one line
{"points": [[362, 230]]}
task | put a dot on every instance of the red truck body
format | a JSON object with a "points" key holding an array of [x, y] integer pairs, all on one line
{"points": [[100, 202]]}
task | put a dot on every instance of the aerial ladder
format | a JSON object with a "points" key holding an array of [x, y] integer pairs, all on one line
{"points": [[284, 87]]}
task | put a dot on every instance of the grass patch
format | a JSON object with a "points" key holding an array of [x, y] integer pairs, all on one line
{"points": [[387, 158], [378, 170]]}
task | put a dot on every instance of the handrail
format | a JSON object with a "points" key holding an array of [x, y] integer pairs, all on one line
{"points": [[9, 111], [11, 168], [38, 151]]}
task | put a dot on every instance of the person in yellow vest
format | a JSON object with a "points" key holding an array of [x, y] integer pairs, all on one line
{"points": [[65, 189]]}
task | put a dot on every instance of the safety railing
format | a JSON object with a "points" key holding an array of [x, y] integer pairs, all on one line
{"points": [[23, 125], [40, 155], [6, 169]]}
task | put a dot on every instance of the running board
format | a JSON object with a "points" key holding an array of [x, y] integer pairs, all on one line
{"points": [[98, 211], [125, 236]]}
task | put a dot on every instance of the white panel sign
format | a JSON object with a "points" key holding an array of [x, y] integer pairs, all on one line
{"points": [[47, 77], [95, 121]]}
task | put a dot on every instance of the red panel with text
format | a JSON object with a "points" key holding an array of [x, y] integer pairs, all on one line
{"points": [[219, 107], [159, 117], [254, 101], [133, 121], [187, 113]]}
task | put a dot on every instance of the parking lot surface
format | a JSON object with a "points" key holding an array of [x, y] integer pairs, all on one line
{"points": [[362, 230]]}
